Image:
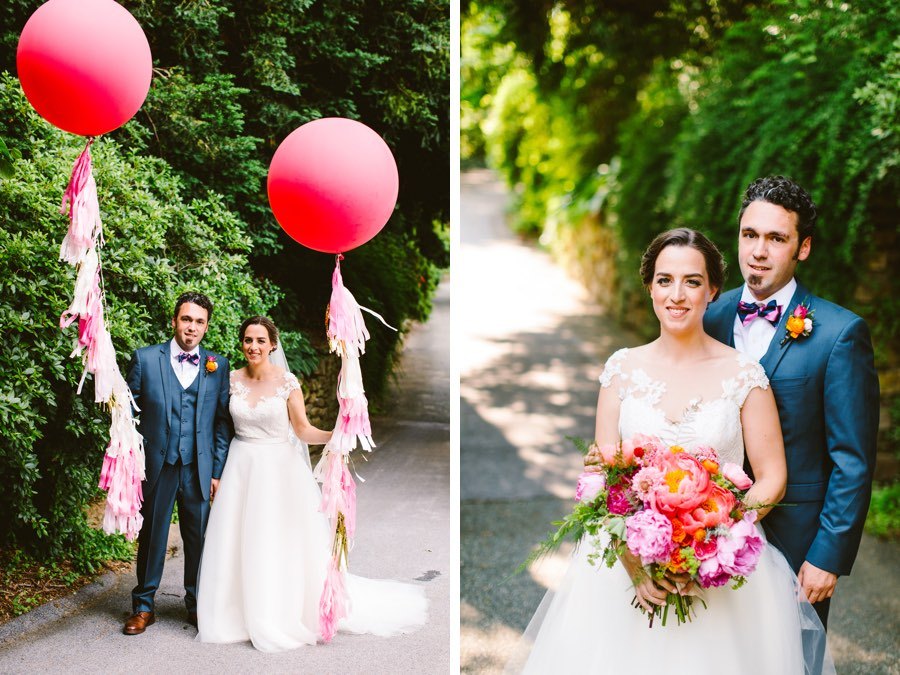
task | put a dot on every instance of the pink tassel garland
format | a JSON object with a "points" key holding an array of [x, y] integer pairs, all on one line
{"points": [[80, 201], [346, 331], [347, 335], [123, 463], [333, 605]]}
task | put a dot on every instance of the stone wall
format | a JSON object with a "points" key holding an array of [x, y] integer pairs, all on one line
{"points": [[319, 390]]}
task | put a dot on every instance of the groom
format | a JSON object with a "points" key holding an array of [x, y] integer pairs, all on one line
{"points": [[824, 381], [182, 392]]}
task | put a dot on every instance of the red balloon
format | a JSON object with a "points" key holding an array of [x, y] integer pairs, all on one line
{"points": [[333, 184], [84, 65]]}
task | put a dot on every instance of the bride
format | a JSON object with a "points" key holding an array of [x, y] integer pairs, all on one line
{"points": [[267, 545], [690, 390]]}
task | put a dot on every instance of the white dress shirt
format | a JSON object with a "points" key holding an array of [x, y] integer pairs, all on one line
{"points": [[754, 338], [185, 371]]}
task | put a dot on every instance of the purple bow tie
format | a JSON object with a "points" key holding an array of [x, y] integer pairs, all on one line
{"points": [[748, 311], [190, 358]]}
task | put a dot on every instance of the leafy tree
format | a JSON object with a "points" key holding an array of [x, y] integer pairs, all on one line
{"points": [[160, 242], [232, 79], [655, 114]]}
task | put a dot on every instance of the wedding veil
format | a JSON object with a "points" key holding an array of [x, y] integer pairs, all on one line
{"points": [[278, 358]]}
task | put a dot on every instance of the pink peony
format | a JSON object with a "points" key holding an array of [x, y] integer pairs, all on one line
{"points": [[705, 548], [617, 500], [617, 454], [589, 486], [715, 510], [649, 536], [711, 574], [685, 484], [736, 475], [739, 550]]}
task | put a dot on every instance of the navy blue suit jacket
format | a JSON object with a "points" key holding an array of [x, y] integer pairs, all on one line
{"points": [[149, 384], [826, 389]]}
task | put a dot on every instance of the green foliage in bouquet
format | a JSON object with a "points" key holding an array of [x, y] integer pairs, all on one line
{"points": [[160, 242]]}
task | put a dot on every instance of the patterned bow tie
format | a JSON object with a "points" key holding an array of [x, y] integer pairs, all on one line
{"points": [[748, 311], [190, 358]]}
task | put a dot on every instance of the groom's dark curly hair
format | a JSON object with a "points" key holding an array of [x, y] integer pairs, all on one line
{"points": [[787, 194], [195, 298]]}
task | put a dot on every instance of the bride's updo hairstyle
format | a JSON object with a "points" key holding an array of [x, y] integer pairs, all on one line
{"points": [[266, 323], [682, 236]]}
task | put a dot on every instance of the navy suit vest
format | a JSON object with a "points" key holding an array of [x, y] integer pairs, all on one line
{"points": [[182, 432]]}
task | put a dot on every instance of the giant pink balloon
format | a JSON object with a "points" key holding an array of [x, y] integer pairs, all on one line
{"points": [[84, 65], [333, 184]]}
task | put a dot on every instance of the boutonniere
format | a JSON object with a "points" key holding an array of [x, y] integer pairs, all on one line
{"points": [[211, 365], [799, 323]]}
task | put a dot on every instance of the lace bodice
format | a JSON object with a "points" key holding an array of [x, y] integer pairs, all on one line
{"points": [[259, 409], [713, 421]]}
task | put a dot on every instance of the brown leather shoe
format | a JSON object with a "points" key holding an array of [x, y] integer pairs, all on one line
{"points": [[137, 623], [192, 618]]}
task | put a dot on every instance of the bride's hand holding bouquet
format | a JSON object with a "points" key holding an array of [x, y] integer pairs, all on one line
{"points": [[675, 519]]}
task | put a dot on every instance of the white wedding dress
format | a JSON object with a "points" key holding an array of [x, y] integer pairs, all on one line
{"points": [[267, 544], [589, 626]]}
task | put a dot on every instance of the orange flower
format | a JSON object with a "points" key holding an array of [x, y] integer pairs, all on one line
{"points": [[714, 510], [211, 365], [678, 533], [700, 535], [710, 466], [794, 326], [676, 562]]}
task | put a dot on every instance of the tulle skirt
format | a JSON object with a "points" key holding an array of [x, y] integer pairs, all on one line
{"points": [[265, 557], [589, 626]]}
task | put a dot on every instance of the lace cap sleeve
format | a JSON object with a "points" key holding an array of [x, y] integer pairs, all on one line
{"points": [[752, 375], [613, 367], [290, 384]]}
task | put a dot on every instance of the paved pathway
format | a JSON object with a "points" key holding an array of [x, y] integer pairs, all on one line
{"points": [[403, 534], [531, 350]]}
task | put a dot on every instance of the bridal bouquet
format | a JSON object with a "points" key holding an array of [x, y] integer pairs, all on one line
{"points": [[681, 512]]}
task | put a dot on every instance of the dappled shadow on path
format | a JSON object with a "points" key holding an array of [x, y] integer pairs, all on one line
{"points": [[532, 348]]}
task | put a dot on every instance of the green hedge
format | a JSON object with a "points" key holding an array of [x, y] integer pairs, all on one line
{"points": [[159, 244], [232, 79], [804, 89]]}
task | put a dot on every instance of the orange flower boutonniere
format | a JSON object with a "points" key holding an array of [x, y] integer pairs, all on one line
{"points": [[799, 323], [211, 365]]}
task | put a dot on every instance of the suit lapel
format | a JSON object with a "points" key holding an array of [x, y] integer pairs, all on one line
{"points": [[201, 389], [723, 320], [728, 319], [778, 347], [165, 372], [165, 366]]}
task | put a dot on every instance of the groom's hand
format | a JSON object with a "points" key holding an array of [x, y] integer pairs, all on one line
{"points": [[816, 583], [213, 488]]}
